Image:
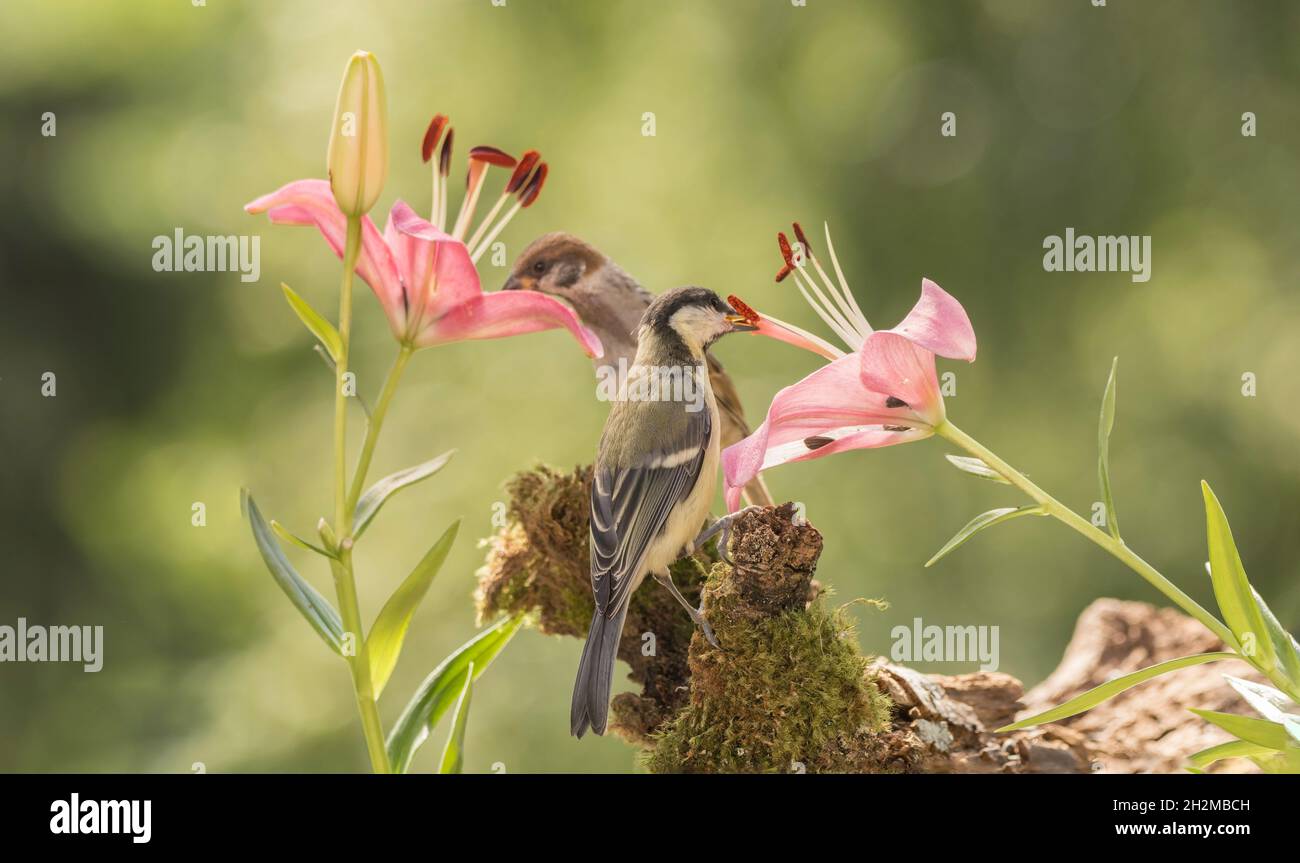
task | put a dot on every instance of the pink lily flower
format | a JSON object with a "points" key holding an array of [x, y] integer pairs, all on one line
{"points": [[423, 277], [883, 390]]}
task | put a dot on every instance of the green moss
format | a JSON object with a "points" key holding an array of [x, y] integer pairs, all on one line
{"points": [[783, 691]]}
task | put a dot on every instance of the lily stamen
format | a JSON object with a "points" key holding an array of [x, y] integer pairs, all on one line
{"points": [[843, 282], [527, 193], [823, 307], [843, 297], [521, 173], [444, 170], [480, 159], [428, 146]]}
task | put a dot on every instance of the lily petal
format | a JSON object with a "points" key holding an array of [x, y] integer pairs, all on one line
{"points": [[904, 371], [506, 313], [436, 265], [310, 202], [939, 324], [829, 411]]}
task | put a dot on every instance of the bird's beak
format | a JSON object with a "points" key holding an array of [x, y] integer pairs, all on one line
{"points": [[514, 283], [740, 323]]}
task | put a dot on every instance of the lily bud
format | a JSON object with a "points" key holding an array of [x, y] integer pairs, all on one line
{"points": [[357, 159]]}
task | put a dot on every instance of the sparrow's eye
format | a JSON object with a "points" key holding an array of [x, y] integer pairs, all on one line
{"points": [[539, 267]]}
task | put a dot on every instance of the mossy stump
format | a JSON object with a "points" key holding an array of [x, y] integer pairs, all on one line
{"points": [[788, 689]]}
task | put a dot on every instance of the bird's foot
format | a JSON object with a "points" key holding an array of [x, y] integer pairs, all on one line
{"points": [[697, 614], [722, 529], [705, 629]]}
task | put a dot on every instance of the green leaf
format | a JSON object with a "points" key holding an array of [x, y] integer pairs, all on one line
{"points": [[1098, 694], [1232, 589], [288, 536], [980, 522], [316, 608], [1265, 700], [1104, 427], [384, 644], [453, 754], [976, 467], [1284, 643], [1287, 761], [322, 329], [378, 493], [1258, 731], [439, 690], [1231, 749], [1272, 704]]}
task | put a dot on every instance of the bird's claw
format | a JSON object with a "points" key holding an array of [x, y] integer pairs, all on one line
{"points": [[705, 629], [722, 529]]}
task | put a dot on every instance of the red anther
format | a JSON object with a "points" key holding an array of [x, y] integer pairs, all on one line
{"points": [[534, 187], [742, 309], [786, 269], [525, 167], [444, 158], [432, 135], [786, 252], [492, 156], [803, 240]]}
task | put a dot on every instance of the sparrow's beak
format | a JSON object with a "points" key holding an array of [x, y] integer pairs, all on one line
{"points": [[514, 283], [740, 323]]}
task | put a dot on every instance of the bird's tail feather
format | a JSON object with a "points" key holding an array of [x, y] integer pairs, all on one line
{"points": [[590, 707]]}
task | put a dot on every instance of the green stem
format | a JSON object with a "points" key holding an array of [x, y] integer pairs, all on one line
{"points": [[375, 425], [345, 582], [1067, 516]]}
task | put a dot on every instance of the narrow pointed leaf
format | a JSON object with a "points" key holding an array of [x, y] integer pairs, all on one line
{"points": [[453, 754], [1104, 427], [1111, 688], [440, 689], [1231, 749], [293, 539], [1265, 700], [1258, 731], [316, 608], [1284, 643], [980, 522], [375, 496], [1286, 761], [1232, 589], [322, 329], [1270, 703], [384, 644], [976, 467]]}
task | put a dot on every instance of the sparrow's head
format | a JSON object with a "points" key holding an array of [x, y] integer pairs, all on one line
{"points": [[693, 318], [555, 264]]}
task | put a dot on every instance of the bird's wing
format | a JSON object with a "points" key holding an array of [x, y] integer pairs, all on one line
{"points": [[734, 428], [631, 499]]}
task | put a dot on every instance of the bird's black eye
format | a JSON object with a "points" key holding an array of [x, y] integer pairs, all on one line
{"points": [[539, 267]]}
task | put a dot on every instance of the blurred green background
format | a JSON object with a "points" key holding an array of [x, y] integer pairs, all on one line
{"points": [[175, 388]]}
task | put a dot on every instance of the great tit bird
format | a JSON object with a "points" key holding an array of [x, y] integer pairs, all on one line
{"points": [[653, 481], [611, 303]]}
